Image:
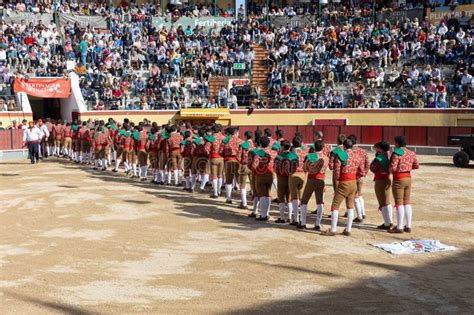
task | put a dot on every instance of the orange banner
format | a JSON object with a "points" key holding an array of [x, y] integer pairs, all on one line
{"points": [[44, 87]]}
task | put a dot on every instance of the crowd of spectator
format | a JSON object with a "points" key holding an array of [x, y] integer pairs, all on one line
{"points": [[345, 58]]}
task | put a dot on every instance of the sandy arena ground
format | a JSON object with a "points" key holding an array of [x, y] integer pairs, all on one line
{"points": [[79, 241]]}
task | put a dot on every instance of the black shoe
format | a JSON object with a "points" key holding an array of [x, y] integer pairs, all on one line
{"points": [[252, 215], [262, 219], [314, 212], [114, 170], [214, 196], [384, 227], [275, 200], [241, 206], [345, 215], [294, 223], [228, 201], [280, 221], [407, 229], [358, 220], [301, 227], [185, 189], [317, 227]]}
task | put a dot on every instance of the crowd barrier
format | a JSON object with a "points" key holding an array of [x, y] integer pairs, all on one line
{"points": [[416, 136], [11, 139]]}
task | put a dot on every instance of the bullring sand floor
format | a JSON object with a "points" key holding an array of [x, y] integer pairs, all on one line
{"points": [[78, 241]]}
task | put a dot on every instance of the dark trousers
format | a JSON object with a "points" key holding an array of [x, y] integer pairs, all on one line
{"points": [[44, 151], [33, 150]]}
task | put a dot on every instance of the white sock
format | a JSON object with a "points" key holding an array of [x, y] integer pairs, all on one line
{"points": [[188, 182], [145, 171], [295, 210], [290, 210], [134, 167], [140, 169], [219, 186], [127, 166], [176, 177], [161, 176], [281, 208], [264, 202], [334, 218], [204, 180], [256, 202], [319, 214], [358, 207], [214, 187], [117, 163], [304, 209], [362, 205], [408, 214], [179, 176], [228, 191], [385, 216], [350, 218], [243, 196], [96, 163], [389, 214], [400, 213], [168, 176], [193, 181]]}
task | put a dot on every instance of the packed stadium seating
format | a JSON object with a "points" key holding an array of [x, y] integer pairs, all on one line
{"points": [[346, 54]]}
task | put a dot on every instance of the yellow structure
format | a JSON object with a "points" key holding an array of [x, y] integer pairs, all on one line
{"points": [[355, 117]]}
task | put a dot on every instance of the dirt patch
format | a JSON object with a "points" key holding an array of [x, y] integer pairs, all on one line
{"points": [[79, 241]]}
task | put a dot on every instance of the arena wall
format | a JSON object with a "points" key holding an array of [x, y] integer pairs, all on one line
{"points": [[350, 117]]}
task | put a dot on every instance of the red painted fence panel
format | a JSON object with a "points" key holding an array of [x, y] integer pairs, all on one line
{"points": [[330, 134], [11, 139], [330, 122], [351, 130], [243, 129], [288, 132], [416, 135], [437, 136], [371, 134], [5, 143], [307, 133], [454, 131], [389, 133]]}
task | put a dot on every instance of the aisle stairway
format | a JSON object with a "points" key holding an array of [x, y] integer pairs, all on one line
{"points": [[214, 85], [260, 69]]}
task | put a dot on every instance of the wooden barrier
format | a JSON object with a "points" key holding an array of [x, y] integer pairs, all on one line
{"points": [[416, 136], [11, 139]]}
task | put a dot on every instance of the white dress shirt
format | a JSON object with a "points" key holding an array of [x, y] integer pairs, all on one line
{"points": [[32, 134]]}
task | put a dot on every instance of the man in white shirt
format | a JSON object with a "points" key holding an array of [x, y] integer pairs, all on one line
{"points": [[44, 138], [31, 138]]}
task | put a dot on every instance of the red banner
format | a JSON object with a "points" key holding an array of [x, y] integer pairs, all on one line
{"points": [[44, 87]]}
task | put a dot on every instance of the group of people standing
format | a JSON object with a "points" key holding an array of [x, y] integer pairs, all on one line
{"points": [[203, 155]]}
